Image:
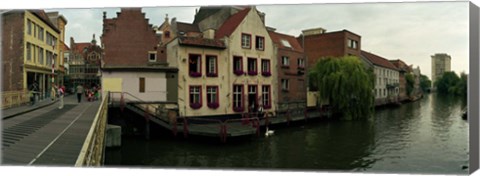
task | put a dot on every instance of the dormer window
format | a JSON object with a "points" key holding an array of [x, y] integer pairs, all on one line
{"points": [[285, 43], [352, 44], [152, 56]]}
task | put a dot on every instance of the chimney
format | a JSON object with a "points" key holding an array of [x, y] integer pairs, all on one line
{"points": [[104, 14], [313, 31], [166, 18]]}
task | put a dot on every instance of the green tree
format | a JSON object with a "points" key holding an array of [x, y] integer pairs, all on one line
{"points": [[346, 84], [447, 84], [410, 79], [462, 84], [425, 83]]}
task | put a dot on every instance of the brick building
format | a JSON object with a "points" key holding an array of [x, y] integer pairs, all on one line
{"points": [[403, 69], [290, 70], [133, 60], [318, 43], [30, 47], [84, 63]]}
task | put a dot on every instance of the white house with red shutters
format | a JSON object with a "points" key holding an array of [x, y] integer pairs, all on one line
{"points": [[226, 69]]}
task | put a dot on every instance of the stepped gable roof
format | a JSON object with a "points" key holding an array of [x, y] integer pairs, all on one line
{"points": [[231, 23], [377, 60], [278, 37], [196, 41]]}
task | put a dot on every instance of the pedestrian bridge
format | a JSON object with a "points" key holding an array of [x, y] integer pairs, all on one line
{"points": [[42, 134]]}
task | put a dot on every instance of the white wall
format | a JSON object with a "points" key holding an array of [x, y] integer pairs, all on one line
{"points": [[155, 84]]}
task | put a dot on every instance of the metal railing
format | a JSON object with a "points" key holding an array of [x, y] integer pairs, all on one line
{"points": [[14, 98], [92, 153]]}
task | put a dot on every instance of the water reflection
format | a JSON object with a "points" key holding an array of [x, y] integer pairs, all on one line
{"points": [[427, 136]]}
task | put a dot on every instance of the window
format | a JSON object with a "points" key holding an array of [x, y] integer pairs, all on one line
{"points": [[301, 63], [252, 66], [40, 56], [194, 65], [152, 56], [40, 33], [49, 57], [29, 52], [142, 85], [266, 67], [352, 44], [237, 65], [266, 97], [34, 30], [212, 66], [238, 98], [285, 43], [285, 61], [260, 43], [29, 27], [212, 97], [167, 34], [246, 40], [195, 97], [285, 84]]}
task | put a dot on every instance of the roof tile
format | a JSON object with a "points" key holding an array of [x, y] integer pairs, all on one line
{"points": [[377, 60], [231, 23]]}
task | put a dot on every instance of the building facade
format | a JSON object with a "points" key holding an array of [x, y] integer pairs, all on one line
{"points": [[60, 22], [317, 43], [403, 69], [29, 55], [441, 63], [291, 71], [84, 64], [133, 61], [386, 78], [225, 70]]}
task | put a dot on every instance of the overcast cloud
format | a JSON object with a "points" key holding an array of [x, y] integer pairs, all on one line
{"points": [[409, 31]]}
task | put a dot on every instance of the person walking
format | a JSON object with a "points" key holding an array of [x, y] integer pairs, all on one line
{"points": [[79, 93], [61, 93]]}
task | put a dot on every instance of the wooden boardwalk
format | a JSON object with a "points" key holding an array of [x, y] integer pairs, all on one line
{"points": [[48, 136]]}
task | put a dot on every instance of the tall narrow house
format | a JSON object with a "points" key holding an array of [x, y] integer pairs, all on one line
{"points": [[133, 60], [30, 53], [226, 64], [290, 71]]}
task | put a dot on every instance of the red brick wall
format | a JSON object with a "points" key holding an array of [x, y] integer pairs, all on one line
{"points": [[12, 51], [297, 87], [329, 44], [128, 41]]}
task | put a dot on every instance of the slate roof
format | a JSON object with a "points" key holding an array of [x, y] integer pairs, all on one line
{"points": [[231, 23], [186, 27], [43, 16], [278, 37], [377, 60]]}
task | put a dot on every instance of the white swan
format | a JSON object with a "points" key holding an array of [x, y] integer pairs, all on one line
{"points": [[269, 132]]}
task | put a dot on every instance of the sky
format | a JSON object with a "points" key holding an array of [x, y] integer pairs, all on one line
{"points": [[410, 31]]}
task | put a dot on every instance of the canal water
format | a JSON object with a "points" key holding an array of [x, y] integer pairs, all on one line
{"points": [[426, 136]]}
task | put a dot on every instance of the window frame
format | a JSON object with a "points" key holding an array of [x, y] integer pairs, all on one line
{"points": [[301, 63], [241, 108], [200, 102], [255, 67], [249, 42], [240, 71], [287, 86], [199, 66], [257, 37], [269, 105], [216, 104], [207, 66], [141, 84], [287, 65], [29, 51], [256, 93], [266, 72], [150, 53]]}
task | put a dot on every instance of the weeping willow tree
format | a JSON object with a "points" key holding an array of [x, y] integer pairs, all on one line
{"points": [[346, 84]]}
